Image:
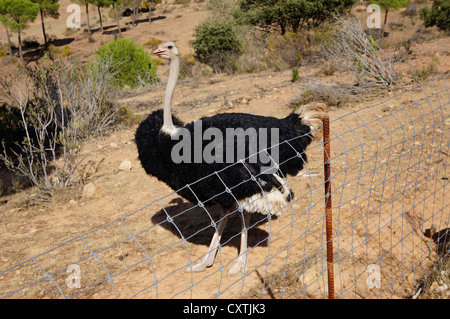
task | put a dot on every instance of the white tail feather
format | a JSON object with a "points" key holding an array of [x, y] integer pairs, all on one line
{"points": [[312, 115]]}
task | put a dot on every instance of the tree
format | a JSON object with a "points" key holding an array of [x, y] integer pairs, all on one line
{"points": [[114, 4], [101, 4], [387, 5], [148, 4], [290, 15], [3, 20], [47, 8], [130, 63], [16, 14], [217, 44], [439, 15]]}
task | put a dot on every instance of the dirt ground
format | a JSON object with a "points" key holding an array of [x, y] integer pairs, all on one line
{"points": [[132, 237]]}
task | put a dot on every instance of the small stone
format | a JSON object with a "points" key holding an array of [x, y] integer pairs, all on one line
{"points": [[441, 289], [434, 286], [406, 79], [89, 190], [125, 165], [73, 202], [447, 122], [13, 210]]}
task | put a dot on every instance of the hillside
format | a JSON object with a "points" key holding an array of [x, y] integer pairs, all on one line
{"points": [[28, 229]]}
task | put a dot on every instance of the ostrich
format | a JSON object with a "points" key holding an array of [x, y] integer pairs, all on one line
{"points": [[235, 187]]}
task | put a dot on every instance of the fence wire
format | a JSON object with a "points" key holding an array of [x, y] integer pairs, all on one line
{"points": [[389, 175]]}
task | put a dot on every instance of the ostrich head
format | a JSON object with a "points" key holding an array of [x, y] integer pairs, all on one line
{"points": [[167, 50]]}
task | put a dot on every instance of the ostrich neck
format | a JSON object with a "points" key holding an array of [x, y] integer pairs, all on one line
{"points": [[171, 83]]}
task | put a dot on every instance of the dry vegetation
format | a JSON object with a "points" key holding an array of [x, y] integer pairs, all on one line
{"points": [[263, 83]]}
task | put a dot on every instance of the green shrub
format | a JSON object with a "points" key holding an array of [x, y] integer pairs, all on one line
{"points": [[438, 15], [294, 74], [152, 43], [126, 116], [217, 44], [292, 15], [66, 51], [130, 63]]}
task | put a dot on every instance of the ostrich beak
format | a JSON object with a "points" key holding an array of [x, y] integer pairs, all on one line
{"points": [[159, 51]]}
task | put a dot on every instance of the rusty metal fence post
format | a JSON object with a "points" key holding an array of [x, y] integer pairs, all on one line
{"points": [[328, 211]]}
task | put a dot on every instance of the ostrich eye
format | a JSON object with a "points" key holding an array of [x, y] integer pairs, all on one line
{"points": [[170, 47]]}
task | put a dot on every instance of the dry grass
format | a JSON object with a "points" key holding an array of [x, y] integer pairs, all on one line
{"points": [[330, 94]]}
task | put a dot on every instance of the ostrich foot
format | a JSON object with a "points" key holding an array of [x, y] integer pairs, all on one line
{"points": [[241, 263], [196, 268], [213, 248], [240, 266], [207, 262]]}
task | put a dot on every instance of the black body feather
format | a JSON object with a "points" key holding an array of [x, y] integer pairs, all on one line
{"points": [[222, 183]]}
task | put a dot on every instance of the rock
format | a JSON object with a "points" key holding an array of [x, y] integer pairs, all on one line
{"points": [[89, 190], [434, 286], [125, 165], [406, 79], [441, 289], [73, 202], [13, 210], [447, 122]]}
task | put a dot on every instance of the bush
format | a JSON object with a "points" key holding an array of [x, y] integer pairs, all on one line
{"points": [[131, 64], [217, 44], [51, 109], [294, 74], [289, 48], [152, 43], [187, 64], [355, 51], [438, 15], [292, 15], [330, 94]]}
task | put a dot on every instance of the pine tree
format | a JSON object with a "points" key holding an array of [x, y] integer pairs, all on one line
{"points": [[115, 3], [47, 8], [291, 15], [16, 14], [101, 4], [3, 20]]}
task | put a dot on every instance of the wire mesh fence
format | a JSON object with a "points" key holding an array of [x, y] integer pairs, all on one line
{"points": [[389, 176]]}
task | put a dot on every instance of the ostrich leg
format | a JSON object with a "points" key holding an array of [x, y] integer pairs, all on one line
{"points": [[241, 263], [213, 247]]}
